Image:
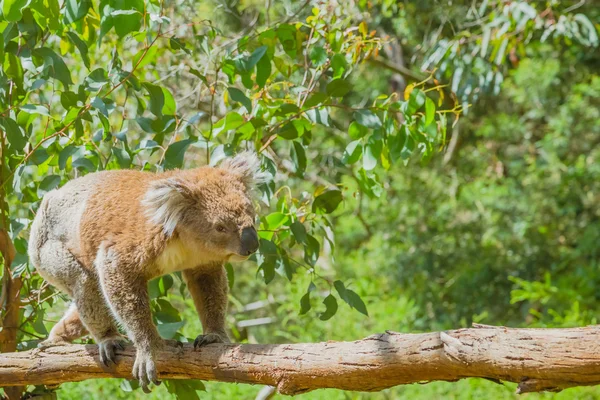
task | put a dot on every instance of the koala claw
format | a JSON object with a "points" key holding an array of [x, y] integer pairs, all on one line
{"points": [[209, 338], [45, 344], [106, 349], [144, 370]]}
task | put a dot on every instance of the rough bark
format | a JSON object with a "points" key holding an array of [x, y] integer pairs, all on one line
{"points": [[10, 302], [538, 359]]}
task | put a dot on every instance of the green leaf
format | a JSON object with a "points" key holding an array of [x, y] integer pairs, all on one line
{"points": [[35, 109], [245, 64], [318, 56], [143, 57], [16, 138], [396, 144], [287, 37], [123, 158], [256, 56], [12, 9], [356, 130], [54, 64], [315, 99], [65, 154], [175, 154], [299, 231], [429, 111], [263, 71], [197, 73], [185, 389], [312, 250], [305, 300], [47, 14], [338, 88], [84, 163], [327, 202], [298, 156], [239, 96], [96, 80], [338, 64], [356, 302], [331, 307], [169, 330], [367, 118], [165, 283], [39, 156], [230, 121], [170, 107], [267, 258], [276, 220], [49, 183], [99, 105], [416, 100], [128, 19], [350, 297], [129, 385], [68, 99], [371, 153], [81, 46], [76, 9], [157, 98], [352, 153]]}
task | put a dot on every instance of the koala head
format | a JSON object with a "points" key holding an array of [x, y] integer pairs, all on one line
{"points": [[210, 207]]}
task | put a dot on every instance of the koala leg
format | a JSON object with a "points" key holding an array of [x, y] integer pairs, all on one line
{"points": [[68, 328], [90, 313], [209, 289], [127, 294], [97, 318]]}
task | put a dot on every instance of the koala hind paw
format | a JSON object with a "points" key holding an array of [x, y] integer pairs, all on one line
{"points": [[144, 370], [107, 347], [210, 338], [51, 342]]}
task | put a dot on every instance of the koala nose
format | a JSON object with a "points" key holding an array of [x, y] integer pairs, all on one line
{"points": [[249, 241]]}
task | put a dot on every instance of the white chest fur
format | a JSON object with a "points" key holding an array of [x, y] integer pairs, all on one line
{"points": [[178, 256]]}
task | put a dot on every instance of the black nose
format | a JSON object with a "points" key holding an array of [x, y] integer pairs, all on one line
{"points": [[249, 241]]}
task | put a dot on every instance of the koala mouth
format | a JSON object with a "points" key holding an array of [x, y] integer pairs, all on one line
{"points": [[238, 257]]}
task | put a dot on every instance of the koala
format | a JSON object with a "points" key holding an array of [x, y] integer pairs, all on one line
{"points": [[100, 239]]}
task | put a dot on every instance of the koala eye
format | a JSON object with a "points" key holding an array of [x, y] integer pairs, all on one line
{"points": [[221, 228]]}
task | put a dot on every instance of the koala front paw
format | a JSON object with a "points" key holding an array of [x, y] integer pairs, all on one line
{"points": [[51, 342], [107, 347], [144, 370], [173, 343], [209, 338]]}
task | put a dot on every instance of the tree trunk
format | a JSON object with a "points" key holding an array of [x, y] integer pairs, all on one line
{"points": [[538, 359], [10, 301]]}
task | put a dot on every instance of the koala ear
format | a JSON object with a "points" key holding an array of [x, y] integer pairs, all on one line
{"points": [[165, 202], [247, 166]]}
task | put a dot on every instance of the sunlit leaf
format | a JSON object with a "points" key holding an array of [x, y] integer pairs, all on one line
{"points": [[367, 118]]}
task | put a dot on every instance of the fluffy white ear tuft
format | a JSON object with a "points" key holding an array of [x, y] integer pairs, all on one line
{"points": [[165, 202], [247, 165]]}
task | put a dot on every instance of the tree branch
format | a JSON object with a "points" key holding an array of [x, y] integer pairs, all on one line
{"points": [[538, 359]]}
